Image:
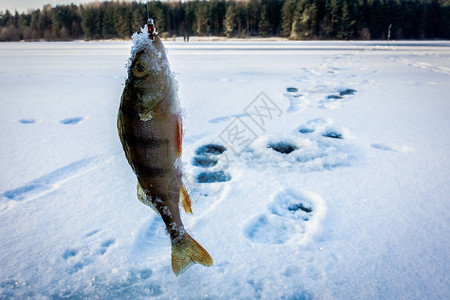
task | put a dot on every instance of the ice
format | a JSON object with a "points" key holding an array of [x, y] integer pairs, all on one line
{"points": [[337, 190], [140, 41]]}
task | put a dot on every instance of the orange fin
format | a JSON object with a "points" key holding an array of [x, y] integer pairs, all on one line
{"points": [[179, 137], [186, 252], [185, 200]]}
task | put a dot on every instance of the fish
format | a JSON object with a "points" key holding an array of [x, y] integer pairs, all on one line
{"points": [[149, 123]]}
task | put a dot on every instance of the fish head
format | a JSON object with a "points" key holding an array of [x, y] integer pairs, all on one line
{"points": [[149, 73]]}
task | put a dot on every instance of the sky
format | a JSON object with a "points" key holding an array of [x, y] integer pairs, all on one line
{"points": [[24, 5]]}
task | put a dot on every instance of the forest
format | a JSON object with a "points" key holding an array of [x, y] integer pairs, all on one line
{"points": [[293, 19]]}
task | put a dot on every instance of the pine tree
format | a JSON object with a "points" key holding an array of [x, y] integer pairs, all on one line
{"points": [[108, 30], [333, 7], [252, 16], [122, 24], [217, 10], [138, 20], [201, 16], [189, 17], [287, 17], [299, 19], [240, 18], [310, 30], [230, 21], [345, 21], [263, 22]]}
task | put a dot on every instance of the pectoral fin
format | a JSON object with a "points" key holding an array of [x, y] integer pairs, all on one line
{"points": [[147, 116], [142, 196]]}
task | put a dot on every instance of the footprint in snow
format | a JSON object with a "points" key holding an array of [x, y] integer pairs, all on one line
{"points": [[324, 128], [68, 121], [315, 153], [105, 246], [27, 121], [80, 257], [211, 177], [336, 100], [314, 125], [131, 284], [346, 92], [333, 134], [207, 157], [315, 146], [69, 253], [91, 233], [297, 102], [151, 238], [227, 118], [305, 130], [282, 147], [72, 121], [391, 147], [286, 218], [15, 288], [51, 181]]}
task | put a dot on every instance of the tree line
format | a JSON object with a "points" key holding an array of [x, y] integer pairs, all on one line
{"points": [[295, 19]]}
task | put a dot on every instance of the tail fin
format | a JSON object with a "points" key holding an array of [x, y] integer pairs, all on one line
{"points": [[186, 252]]}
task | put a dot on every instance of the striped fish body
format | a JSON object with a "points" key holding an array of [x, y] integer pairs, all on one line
{"points": [[151, 150], [149, 125]]}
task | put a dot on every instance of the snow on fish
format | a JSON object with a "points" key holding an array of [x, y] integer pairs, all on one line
{"points": [[150, 129]]}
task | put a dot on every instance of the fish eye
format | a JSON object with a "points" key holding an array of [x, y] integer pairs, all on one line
{"points": [[139, 69]]}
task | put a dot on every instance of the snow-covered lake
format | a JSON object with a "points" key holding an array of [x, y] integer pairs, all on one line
{"points": [[334, 184]]}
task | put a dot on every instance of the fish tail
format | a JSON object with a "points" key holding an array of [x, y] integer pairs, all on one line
{"points": [[186, 252], [185, 200]]}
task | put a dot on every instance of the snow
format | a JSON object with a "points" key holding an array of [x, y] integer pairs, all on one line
{"points": [[334, 182], [140, 42]]}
